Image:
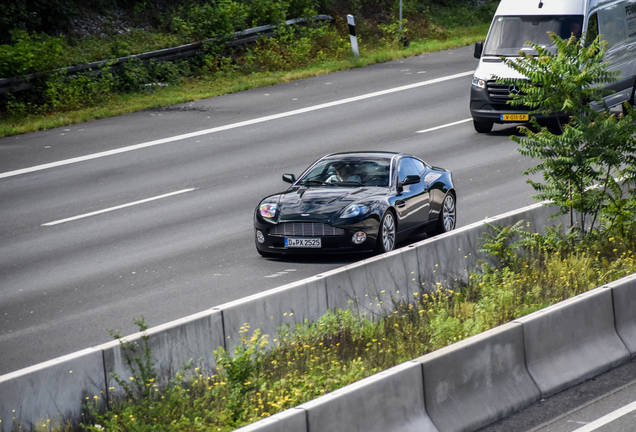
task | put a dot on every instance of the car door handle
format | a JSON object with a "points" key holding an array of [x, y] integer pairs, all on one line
{"points": [[400, 203]]}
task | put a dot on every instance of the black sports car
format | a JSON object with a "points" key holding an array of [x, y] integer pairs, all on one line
{"points": [[356, 202]]}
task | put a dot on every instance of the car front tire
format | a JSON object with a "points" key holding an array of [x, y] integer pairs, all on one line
{"points": [[386, 233], [447, 219], [482, 127]]}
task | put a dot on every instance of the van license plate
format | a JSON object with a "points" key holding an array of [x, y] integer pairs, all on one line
{"points": [[515, 117], [303, 242]]}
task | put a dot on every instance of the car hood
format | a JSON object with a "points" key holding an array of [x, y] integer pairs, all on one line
{"points": [[321, 204]]}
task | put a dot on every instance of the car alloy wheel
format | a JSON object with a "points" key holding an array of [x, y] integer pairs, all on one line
{"points": [[449, 213], [386, 234], [447, 216]]}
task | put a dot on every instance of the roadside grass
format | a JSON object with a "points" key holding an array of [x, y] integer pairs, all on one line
{"points": [[225, 82], [266, 376]]}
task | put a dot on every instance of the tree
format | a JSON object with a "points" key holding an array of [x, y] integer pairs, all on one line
{"points": [[590, 167]]}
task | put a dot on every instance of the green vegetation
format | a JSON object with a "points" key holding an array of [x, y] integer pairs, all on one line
{"points": [[589, 164], [131, 27]]}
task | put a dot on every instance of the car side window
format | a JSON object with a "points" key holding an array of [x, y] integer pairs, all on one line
{"points": [[419, 166], [406, 166]]}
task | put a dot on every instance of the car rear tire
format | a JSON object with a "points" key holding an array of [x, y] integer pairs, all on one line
{"points": [[482, 127], [447, 220], [386, 233]]}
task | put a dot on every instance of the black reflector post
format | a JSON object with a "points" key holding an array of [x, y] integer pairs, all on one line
{"points": [[352, 35]]}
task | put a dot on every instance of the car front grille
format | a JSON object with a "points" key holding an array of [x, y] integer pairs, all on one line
{"points": [[305, 229], [498, 92]]}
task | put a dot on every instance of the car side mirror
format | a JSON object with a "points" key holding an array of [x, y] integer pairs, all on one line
{"points": [[289, 178], [398, 187], [479, 47], [411, 179]]}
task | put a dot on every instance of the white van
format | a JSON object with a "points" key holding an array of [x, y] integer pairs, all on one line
{"points": [[517, 22]]}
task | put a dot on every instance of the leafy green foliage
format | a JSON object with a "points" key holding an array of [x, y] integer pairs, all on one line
{"points": [[585, 168], [29, 54], [293, 48], [500, 244]]}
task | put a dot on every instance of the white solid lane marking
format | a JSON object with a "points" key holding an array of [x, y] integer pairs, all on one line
{"points": [[444, 126], [607, 418], [228, 127], [116, 208]]}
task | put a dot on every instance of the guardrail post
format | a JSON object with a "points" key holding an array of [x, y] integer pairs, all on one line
{"points": [[352, 35]]}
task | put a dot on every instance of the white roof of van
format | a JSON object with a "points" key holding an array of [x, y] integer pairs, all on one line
{"points": [[550, 7]]}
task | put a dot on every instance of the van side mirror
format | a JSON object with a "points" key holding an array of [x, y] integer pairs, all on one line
{"points": [[289, 178], [479, 47]]}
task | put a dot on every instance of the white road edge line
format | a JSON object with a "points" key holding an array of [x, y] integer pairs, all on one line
{"points": [[445, 126], [61, 221], [230, 126], [607, 418]]}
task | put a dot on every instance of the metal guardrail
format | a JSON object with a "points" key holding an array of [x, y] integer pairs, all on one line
{"points": [[16, 84]]}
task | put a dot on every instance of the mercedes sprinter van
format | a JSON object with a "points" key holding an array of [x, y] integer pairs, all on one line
{"points": [[517, 22]]}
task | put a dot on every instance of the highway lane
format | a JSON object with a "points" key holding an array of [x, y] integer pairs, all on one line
{"points": [[605, 403], [63, 286]]}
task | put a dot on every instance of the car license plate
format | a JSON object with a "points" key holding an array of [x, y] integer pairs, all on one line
{"points": [[303, 242], [515, 117]]}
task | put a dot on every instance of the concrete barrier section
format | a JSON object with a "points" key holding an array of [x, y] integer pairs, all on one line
{"points": [[392, 400], [537, 216], [478, 381], [572, 341], [452, 256], [172, 345], [53, 390], [290, 304], [370, 286], [448, 257], [291, 420], [624, 295]]}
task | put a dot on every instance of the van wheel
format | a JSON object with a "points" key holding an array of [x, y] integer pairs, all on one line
{"points": [[631, 101], [555, 127], [482, 127]]}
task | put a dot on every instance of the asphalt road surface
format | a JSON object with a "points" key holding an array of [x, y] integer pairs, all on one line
{"points": [[602, 404], [150, 214]]}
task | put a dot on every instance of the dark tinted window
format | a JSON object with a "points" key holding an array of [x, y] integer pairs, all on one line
{"points": [[406, 167]]}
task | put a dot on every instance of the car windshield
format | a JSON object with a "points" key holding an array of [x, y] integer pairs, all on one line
{"points": [[510, 34], [348, 173]]}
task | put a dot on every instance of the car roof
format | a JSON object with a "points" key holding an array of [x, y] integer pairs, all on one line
{"points": [[363, 154]]}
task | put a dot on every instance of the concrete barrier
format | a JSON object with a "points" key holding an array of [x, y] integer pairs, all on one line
{"points": [[572, 341], [173, 344], [392, 400], [291, 420], [370, 286], [478, 381], [624, 297], [53, 390], [452, 256], [290, 304]]}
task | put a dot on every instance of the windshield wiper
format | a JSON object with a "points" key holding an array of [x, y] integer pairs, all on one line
{"points": [[349, 183], [316, 182]]}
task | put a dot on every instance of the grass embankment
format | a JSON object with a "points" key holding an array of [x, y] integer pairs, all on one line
{"points": [[231, 81], [341, 348]]}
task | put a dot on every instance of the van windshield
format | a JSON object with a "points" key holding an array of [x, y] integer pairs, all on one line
{"points": [[510, 34]]}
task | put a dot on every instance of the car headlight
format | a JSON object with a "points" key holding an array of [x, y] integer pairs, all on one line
{"points": [[354, 210], [268, 210], [479, 82]]}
